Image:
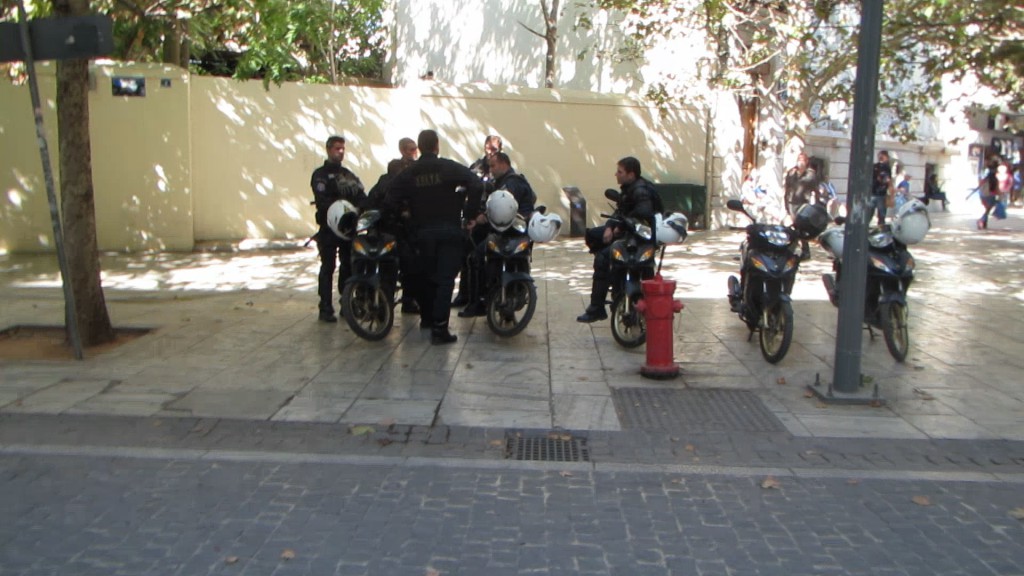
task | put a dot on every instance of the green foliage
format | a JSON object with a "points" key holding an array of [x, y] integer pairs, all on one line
{"points": [[276, 40], [801, 56]]}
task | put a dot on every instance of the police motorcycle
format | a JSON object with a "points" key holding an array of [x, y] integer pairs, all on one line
{"points": [[890, 272], [511, 295], [768, 267], [368, 298], [633, 260]]}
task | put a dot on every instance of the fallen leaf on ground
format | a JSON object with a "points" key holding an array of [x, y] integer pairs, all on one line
{"points": [[781, 381], [921, 501], [432, 572], [360, 430], [497, 443], [287, 554], [678, 481], [770, 482], [808, 394], [923, 395], [1017, 513], [690, 448], [565, 474], [384, 441], [387, 422], [560, 436], [231, 560], [853, 481]]}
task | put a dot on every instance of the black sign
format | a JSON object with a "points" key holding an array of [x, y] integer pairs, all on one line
{"points": [[59, 38]]}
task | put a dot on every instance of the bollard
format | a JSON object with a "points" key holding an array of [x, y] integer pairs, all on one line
{"points": [[658, 309]]}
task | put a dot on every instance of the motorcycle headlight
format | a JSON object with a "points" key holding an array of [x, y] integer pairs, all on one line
{"points": [[492, 244], [360, 245], [791, 263], [388, 246], [642, 230], [909, 265], [521, 246], [618, 253], [759, 263], [880, 239], [776, 237], [881, 265], [646, 254]]}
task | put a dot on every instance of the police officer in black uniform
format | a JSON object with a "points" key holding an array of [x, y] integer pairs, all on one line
{"points": [[505, 178], [639, 200], [332, 182], [438, 212]]}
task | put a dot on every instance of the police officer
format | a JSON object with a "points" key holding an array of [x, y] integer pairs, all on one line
{"points": [[332, 182], [438, 212], [505, 178], [639, 200]]}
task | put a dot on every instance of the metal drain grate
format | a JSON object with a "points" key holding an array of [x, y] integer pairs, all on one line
{"points": [[551, 448], [693, 410]]}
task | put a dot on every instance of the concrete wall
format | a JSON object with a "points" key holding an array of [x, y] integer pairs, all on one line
{"points": [[140, 156], [211, 159]]}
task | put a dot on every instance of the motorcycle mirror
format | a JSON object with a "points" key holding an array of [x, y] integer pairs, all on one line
{"points": [[612, 195], [734, 205]]}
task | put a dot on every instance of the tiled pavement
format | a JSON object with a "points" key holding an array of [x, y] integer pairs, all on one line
{"points": [[235, 336]]}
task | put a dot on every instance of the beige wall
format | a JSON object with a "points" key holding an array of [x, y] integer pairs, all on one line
{"points": [[140, 157], [216, 159]]}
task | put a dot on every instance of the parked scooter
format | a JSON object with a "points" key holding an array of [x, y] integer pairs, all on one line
{"points": [[368, 299], [632, 261], [768, 267], [511, 296], [890, 272]]}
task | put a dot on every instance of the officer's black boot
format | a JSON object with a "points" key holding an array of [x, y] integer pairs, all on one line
{"points": [[462, 298], [439, 334], [598, 293]]}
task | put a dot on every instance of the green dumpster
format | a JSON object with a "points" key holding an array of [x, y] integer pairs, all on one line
{"points": [[690, 199]]}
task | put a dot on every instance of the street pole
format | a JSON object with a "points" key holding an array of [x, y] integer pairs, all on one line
{"points": [[847, 376], [70, 315]]}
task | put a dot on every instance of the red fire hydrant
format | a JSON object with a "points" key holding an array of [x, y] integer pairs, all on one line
{"points": [[658, 309]]}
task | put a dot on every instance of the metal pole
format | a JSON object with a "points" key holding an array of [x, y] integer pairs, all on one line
{"points": [[70, 316], [847, 377]]}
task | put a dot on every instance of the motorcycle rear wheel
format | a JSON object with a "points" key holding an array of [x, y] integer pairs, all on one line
{"points": [[368, 310], [510, 308], [629, 327], [776, 331], [896, 329]]}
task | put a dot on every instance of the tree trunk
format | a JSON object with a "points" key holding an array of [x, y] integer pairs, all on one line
{"points": [[77, 204], [550, 40]]}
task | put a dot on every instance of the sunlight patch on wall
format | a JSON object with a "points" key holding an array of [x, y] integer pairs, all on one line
{"points": [[228, 109], [14, 198], [290, 211], [264, 186]]}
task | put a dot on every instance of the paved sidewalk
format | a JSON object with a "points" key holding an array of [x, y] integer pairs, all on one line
{"points": [[235, 336]]}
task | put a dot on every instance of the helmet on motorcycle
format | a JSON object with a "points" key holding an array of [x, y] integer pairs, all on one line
{"points": [[338, 220], [832, 240], [810, 220], [544, 227], [911, 223], [501, 209], [670, 229]]}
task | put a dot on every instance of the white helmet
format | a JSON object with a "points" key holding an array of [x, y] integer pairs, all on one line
{"points": [[336, 221], [544, 227], [671, 229], [501, 209], [832, 240], [912, 222]]}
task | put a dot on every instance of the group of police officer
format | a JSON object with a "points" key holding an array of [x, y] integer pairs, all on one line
{"points": [[440, 205]]}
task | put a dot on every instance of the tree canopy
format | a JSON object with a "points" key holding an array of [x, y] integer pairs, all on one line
{"points": [[276, 40], [800, 56]]}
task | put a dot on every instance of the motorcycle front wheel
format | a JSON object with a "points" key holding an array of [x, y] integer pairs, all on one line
{"points": [[510, 307], [629, 328], [368, 310], [895, 328], [776, 331]]}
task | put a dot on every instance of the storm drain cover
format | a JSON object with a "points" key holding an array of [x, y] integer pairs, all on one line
{"points": [[549, 448], [693, 410]]}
